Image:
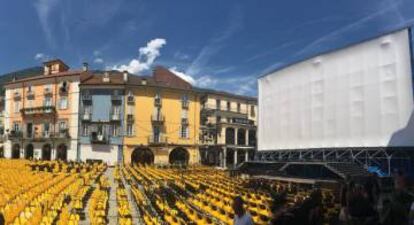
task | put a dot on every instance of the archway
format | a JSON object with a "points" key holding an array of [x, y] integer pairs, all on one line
{"points": [[179, 156], [241, 137], [46, 152], [28, 153], [143, 156], [16, 151], [230, 136], [62, 152]]}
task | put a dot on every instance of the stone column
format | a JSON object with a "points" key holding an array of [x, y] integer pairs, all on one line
{"points": [[224, 157], [247, 137], [236, 132], [235, 157]]}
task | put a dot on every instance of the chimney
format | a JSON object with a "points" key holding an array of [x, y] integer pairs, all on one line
{"points": [[105, 78], [85, 67], [125, 73]]}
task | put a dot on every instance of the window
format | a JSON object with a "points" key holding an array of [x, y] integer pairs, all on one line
{"points": [[87, 109], [48, 101], [85, 130], [62, 125], [129, 129], [115, 130], [252, 113], [238, 107], [16, 126], [184, 131], [218, 119], [63, 102], [116, 109], [17, 106], [46, 129], [228, 106], [184, 101], [29, 88], [157, 99], [218, 103]]}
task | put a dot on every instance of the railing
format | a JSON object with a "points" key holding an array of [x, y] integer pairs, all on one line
{"points": [[185, 104], [130, 99], [16, 95], [47, 91], [157, 139], [184, 121], [130, 117], [86, 116], [157, 118], [116, 97], [99, 139], [38, 110], [63, 133], [86, 97], [243, 110], [115, 116], [30, 94], [157, 102], [15, 134]]}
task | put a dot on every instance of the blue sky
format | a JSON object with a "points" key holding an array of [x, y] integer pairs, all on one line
{"points": [[217, 44]]}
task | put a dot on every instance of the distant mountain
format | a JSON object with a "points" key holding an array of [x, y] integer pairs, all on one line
{"points": [[20, 74]]}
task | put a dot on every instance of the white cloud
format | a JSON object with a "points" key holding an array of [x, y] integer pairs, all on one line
{"points": [[43, 10], [41, 57], [183, 76], [98, 60], [96, 53], [146, 58]]}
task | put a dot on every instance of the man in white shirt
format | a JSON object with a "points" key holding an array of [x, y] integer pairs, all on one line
{"points": [[241, 217]]}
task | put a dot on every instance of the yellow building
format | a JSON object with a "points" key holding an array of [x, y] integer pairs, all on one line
{"points": [[162, 119]]}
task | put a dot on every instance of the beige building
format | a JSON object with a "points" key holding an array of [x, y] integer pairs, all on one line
{"points": [[228, 128]]}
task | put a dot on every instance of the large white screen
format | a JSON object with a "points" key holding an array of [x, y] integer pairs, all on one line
{"points": [[359, 96]]}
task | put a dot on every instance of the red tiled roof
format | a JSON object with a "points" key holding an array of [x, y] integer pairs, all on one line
{"points": [[42, 76]]}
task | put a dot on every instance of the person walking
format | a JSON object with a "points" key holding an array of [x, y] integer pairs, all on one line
{"points": [[241, 217]]}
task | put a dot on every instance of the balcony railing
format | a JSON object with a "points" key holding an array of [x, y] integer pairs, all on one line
{"points": [[157, 102], [115, 116], [130, 118], [17, 95], [157, 118], [86, 116], [184, 121], [15, 134], [38, 110], [86, 97], [116, 97], [30, 94], [157, 139], [130, 100], [47, 91], [185, 104], [63, 133], [99, 139]]}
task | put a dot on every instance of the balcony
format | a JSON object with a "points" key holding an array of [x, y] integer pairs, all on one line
{"points": [[185, 104], [131, 100], [86, 97], [15, 134], [38, 110], [157, 139], [30, 94], [63, 90], [157, 102], [41, 137], [99, 138], [62, 134], [47, 91], [17, 95], [86, 116], [184, 121], [116, 98], [157, 118], [130, 118], [115, 116]]}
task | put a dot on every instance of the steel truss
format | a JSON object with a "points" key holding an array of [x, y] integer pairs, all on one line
{"points": [[381, 157]]}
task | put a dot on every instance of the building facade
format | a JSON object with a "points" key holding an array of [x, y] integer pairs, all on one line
{"points": [[228, 128], [101, 117], [41, 114], [162, 120]]}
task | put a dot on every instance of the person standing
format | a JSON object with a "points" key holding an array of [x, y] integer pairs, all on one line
{"points": [[241, 217]]}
